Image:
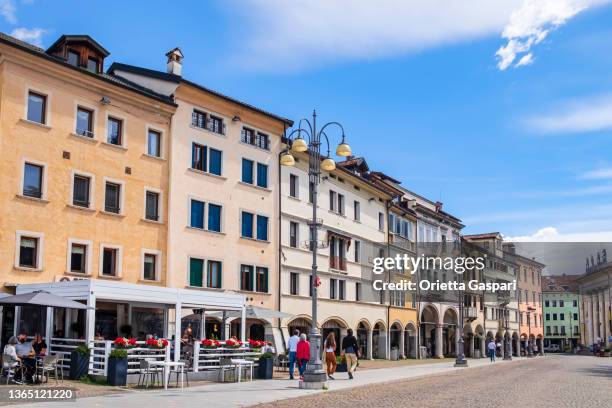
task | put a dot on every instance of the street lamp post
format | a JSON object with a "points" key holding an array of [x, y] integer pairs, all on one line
{"points": [[507, 352], [529, 342], [460, 361], [314, 376]]}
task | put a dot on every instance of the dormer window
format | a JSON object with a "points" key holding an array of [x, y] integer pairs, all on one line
{"points": [[80, 51], [73, 57], [92, 64]]}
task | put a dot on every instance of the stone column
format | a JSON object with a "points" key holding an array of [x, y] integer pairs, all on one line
{"points": [[472, 346], [402, 352], [483, 346], [602, 317], [439, 353], [586, 315], [369, 342]]}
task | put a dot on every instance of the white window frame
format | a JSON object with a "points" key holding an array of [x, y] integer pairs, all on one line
{"points": [[160, 208], [116, 115], [88, 253], [121, 183], [40, 254], [47, 94], [94, 119], [158, 260], [92, 188], [118, 266], [43, 187], [162, 138]]}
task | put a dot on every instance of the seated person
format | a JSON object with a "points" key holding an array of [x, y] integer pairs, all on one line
{"points": [[10, 357], [26, 353], [39, 345]]}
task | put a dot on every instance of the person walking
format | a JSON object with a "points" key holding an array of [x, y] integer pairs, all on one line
{"points": [[292, 347], [350, 350], [330, 354], [303, 354], [491, 347]]}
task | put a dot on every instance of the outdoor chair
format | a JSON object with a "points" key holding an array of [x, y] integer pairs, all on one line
{"points": [[225, 364], [148, 374], [181, 371], [50, 364], [282, 362], [10, 368]]}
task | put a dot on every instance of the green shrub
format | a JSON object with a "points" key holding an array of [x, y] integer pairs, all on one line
{"points": [[82, 349], [266, 355], [118, 353]]}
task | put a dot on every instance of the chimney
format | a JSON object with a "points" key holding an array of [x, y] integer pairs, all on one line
{"points": [[438, 205], [175, 61]]}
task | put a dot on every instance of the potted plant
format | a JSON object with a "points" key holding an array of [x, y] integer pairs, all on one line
{"points": [[256, 345], [606, 352], [117, 361], [341, 364], [210, 344], [79, 362], [233, 343], [265, 366], [157, 343]]}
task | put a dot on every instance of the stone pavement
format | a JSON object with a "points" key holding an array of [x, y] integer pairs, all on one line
{"points": [[259, 392]]}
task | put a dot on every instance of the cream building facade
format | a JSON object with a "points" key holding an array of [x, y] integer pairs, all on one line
{"points": [[596, 300]]}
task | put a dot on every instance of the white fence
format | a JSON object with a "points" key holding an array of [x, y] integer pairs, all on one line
{"points": [[209, 358]]}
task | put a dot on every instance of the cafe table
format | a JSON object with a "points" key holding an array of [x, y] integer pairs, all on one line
{"points": [[167, 366]]}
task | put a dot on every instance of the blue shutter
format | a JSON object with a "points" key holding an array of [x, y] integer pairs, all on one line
{"points": [[262, 228], [262, 175], [247, 171], [247, 225], [214, 217], [197, 214], [214, 166]]}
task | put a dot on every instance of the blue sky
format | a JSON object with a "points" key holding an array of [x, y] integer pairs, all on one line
{"points": [[518, 145]]}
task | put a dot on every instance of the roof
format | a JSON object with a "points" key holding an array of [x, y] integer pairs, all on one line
{"points": [[164, 76], [39, 52], [560, 283], [78, 38], [486, 235]]}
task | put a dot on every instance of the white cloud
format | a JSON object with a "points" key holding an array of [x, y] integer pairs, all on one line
{"points": [[300, 34], [599, 174], [30, 35], [578, 116], [552, 234], [531, 23], [8, 11]]}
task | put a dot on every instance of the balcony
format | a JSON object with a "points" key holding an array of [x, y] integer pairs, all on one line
{"points": [[338, 263], [401, 242], [470, 313]]}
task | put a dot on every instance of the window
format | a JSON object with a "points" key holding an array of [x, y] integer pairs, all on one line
{"points": [[246, 277], [294, 186], [356, 210], [548, 333], [32, 180], [78, 258], [81, 191], [247, 224], [258, 139], [150, 267], [247, 135], [261, 279], [262, 228], [213, 274], [84, 122], [310, 286], [575, 316], [554, 303], [332, 288], [197, 214], [37, 107], [196, 272], [262, 175], [92, 64], [311, 192], [109, 261], [561, 303], [28, 252], [341, 289], [357, 251], [562, 330], [198, 119], [332, 200], [73, 57], [294, 283], [575, 303], [215, 124], [337, 253], [214, 217], [154, 143], [262, 141], [554, 316], [115, 131], [216, 158], [381, 221], [203, 120], [247, 171], [561, 316], [152, 206], [340, 204], [546, 303], [358, 291], [112, 198], [547, 316], [293, 234], [198, 157]]}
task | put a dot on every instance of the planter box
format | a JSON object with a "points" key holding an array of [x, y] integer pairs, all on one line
{"points": [[265, 369], [117, 371], [79, 365]]}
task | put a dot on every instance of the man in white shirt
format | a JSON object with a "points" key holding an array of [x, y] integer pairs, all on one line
{"points": [[491, 347], [292, 347]]}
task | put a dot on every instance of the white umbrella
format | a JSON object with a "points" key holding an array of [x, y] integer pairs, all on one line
{"points": [[41, 298]]}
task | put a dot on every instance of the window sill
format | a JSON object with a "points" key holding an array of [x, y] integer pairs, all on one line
{"points": [[205, 173], [40, 125], [255, 240], [26, 269], [82, 138], [114, 146], [110, 277], [255, 186], [112, 214], [204, 288], [78, 207], [83, 275], [152, 221], [337, 213], [157, 158], [205, 130], [204, 230], [255, 147], [338, 271], [254, 292], [33, 199], [154, 282], [294, 198]]}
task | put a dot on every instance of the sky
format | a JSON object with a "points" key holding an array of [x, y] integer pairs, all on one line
{"points": [[500, 109]]}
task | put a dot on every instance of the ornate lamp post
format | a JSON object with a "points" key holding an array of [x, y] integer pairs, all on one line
{"points": [[460, 361], [302, 139], [507, 353], [529, 342]]}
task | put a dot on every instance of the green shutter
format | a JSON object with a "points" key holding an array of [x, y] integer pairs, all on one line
{"points": [[196, 267]]}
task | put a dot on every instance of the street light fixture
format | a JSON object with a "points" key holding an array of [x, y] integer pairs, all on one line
{"points": [[314, 377]]}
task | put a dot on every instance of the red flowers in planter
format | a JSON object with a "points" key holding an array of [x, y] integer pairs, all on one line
{"points": [[233, 342], [157, 343], [209, 343], [122, 342], [256, 344]]}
